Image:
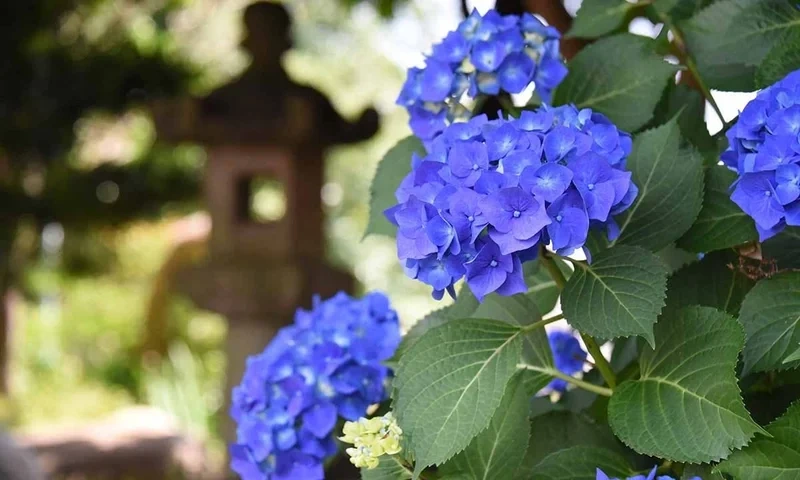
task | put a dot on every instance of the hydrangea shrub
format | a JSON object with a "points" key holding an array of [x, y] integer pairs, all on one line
{"points": [[324, 367], [672, 254]]}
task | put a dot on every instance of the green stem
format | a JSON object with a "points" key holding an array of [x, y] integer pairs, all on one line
{"points": [[703, 87], [600, 361], [606, 392], [689, 61], [591, 344], [508, 106], [542, 323], [479, 101], [665, 467], [552, 268], [408, 468], [559, 316]]}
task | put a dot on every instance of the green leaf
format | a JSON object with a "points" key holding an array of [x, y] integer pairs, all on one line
{"points": [[556, 431], [461, 308], [620, 76], [389, 468], [596, 18], [675, 258], [776, 458], [771, 318], [710, 282], [520, 310], [581, 463], [686, 405], [596, 242], [721, 223], [449, 384], [680, 9], [794, 357], [689, 107], [393, 167], [782, 60], [729, 39], [497, 451], [782, 248], [542, 289], [670, 181], [621, 293]]}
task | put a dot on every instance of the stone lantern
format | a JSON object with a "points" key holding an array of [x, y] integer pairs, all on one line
{"points": [[264, 135]]}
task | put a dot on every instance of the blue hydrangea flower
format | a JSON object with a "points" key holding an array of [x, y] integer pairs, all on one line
{"points": [[568, 356], [488, 193], [325, 366], [485, 55], [649, 476], [764, 149]]}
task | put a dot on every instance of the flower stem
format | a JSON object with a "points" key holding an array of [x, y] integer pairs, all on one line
{"points": [[542, 323], [508, 106], [606, 392], [552, 268], [600, 361], [559, 316], [408, 468], [591, 344], [689, 61]]}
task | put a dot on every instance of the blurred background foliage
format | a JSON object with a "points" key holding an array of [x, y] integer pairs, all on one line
{"points": [[92, 204]]}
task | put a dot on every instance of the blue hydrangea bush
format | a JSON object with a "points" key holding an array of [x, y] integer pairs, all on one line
{"points": [[620, 287]]}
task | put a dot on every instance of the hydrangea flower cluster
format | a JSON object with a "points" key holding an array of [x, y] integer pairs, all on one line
{"points": [[489, 192], [650, 476], [568, 356], [326, 365], [372, 438], [764, 148], [485, 55]]}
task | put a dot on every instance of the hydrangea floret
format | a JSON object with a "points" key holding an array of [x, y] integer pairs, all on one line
{"points": [[489, 192], [764, 149], [372, 438], [485, 55], [325, 366], [649, 476], [568, 356]]}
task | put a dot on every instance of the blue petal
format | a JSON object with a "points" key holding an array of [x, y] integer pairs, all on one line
{"points": [[756, 196], [437, 81], [468, 158], [516, 72], [515, 281], [539, 121], [509, 244], [492, 181], [285, 438], [546, 181], [487, 55], [453, 49], [792, 214], [320, 419], [426, 124], [412, 88], [487, 83], [244, 465], [558, 143], [500, 141], [601, 475]]}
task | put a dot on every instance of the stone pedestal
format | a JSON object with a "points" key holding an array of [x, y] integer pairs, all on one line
{"points": [[262, 127]]}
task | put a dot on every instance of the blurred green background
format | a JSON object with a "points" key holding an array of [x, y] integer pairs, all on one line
{"points": [[81, 257]]}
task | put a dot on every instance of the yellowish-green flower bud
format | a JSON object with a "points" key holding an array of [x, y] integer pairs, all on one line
{"points": [[372, 438]]}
